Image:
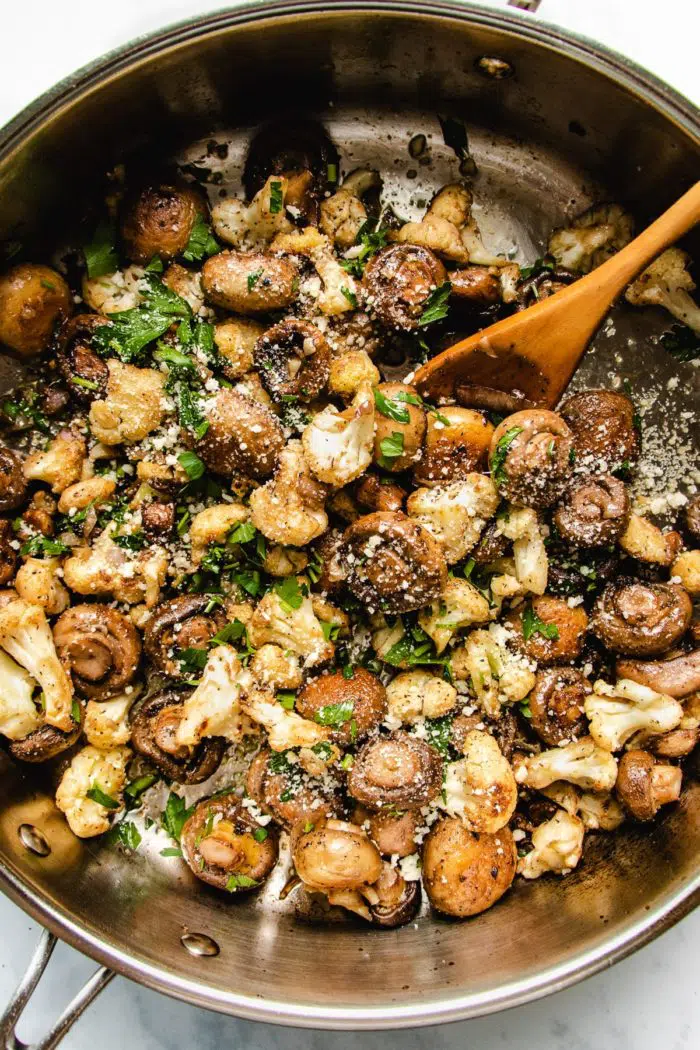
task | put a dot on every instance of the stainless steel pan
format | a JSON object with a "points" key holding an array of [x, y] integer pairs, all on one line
{"points": [[571, 124]]}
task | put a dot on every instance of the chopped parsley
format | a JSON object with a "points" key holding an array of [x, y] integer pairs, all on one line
{"points": [[96, 794], [289, 592], [260, 834], [370, 239], [414, 649], [130, 331], [175, 816], [253, 278], [350, 296], [287, 699], [391, 449], [135, 788], [276, 198], [241, 882], [436, 305], [532, 624], [191, 464], [39, 546], [392, 407], [101, 253], [438, 732], [498, 459], [126, 834], [202, 242], [335, 714], [131, 541]]}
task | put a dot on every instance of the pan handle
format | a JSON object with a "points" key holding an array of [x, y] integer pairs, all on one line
{"points": [[23, 993]]}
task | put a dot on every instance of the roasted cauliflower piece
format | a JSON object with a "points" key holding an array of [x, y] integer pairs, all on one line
{"points": [[520, 524], [343, 214], [350, 371], [480, 788], [449, 229], [419, 694], [591, 238], [289, 509], [19, 715], [497, 675], [107, 569], [254, 225], [92, 774], [133, 407], [583, 763], [37, 581], [114, 292], [456, 513], [275, 668], [686, 569], [460, 605], [107, 721], [666, 282], [618, 712], [214, 708], [212, 525], [557, 846], [334, 291], [338, 445], [646, 542], [285, 561], [294, 630], [26, 636], [60, 465], [284, 729]]}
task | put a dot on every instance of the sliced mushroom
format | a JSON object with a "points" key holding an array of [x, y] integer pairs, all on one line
{"points": [[397, 899], [604, 430], [398, 282], [8, 555], [554, 630], [243, 437], [556, 704], [226, 848], [293, 359], [250, 282], [465, 873], [391, 563], [186, 622], [158, 219], [679, 676], [644, 785], [530, 457], [358, 704], [397, 770], [456, 443], [593, 512], [100, 646], [13, 486], [153, 734], [33, 300], [635, 618], [85, 373]]}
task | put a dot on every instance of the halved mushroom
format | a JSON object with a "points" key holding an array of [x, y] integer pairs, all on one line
{"points": [[393, 900], [644, 785], [641, 619], [47, 741], [593, 512], [85, 373], [556, 704], [393, 831], [243, 436], [604, 430], [398, 282], [549, 631], [358, 704], [153, 734], [100, 646], [678, 676], [334, 855], [464, 872], [8, 555], [477, 286], [679, 742], [158, 219], [397, 770], [456, 443], [226, 848], [250, 282], [371, 493], [33, 300], [400, 419], [186, 622], [530, 457], [391, 563], [293, 359], [13, 485], [282, 787]]}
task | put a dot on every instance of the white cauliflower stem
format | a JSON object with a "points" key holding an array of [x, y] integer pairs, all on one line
{"points": [[98, 772], [617, 712], [338, 445], [480, 788], [214, 708], [19, 715], [666, 282], [557, 846], [26, 635], [583, 763]]}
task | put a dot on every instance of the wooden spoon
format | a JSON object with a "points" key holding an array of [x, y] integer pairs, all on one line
{"points": [[528, 359]]}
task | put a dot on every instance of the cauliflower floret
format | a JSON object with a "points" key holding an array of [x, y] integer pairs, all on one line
{"points": [[686, 568], [37, 582], [520, 524], [235, 340], [19, 715], [133, 406], [418, 694], [480, 788], [289, 509], [460, 605], [600, 811], [385, 635], [338, 290], [187, 284], [329, 613], [60, 465], [350, 371], [666, 282], [450, 229], [213, 526], [498, 676], [617, 712], [94, 490], [343, 214], [107, 722], [557, 846], [296, 630], [253, 225], [114, 292], [285, 561], [455, 514], [285, 729], [646, 542], [26, 635], [107, 569], [275, 668], [338, 445], [581, 762], [214, 708], [93, 771], [592, 237]]}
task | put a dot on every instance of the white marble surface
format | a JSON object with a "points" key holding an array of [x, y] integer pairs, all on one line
{"points": [[647, 1002]]}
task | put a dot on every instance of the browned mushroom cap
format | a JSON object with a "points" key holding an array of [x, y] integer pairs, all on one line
{"points": [[465, 873], [226, 848], [556, 704], [249, 282], [391, 563], [158, 220], [397, 770], [456, 443], [692, 518], [394, 831], [334, 855], [354, 330], [644, 785], [593, 512], [398, 399], [47, 742], [243, 437], [13, 486], [548, 631], [290, 146], [530, 457], [397, 283], [100, 646], [181, 623], [679, 676], [158, 520], [476, 285], [361, 698], [85, 372], [398, 902], [153, 734], [33, 300], [542, 284], [641, 619], [505, 729], [293, 359], [675, 744], [284, 790], [603, 425], [328, 575], [372, 493], [8, 555], [492, 545]]}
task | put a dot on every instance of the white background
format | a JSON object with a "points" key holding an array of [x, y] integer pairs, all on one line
{"points": [[648, 1002]]}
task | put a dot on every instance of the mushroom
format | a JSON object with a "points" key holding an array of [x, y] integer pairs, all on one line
{"points": [[158, 520], [154, 735], [91, 492], [13, 486], [101, 648], [226, 848], [85, 373], [548, 630], [250, 282], [396, 770], [8, 555], [593, 512], [372, 493], [556, 704], [353, 707], [465, 873], [33, 300], [393, 900], [678, 676], [186, 622], [644, 785], [540, 285], [455, 513], [280, 785], [287, 147], [477, 286], [557, 846], [392, 563], [158, 219], [90, 771], [399, 421], [530, 457], [480, 788], [456, 443], [289, 509], [394, 831], [293, 359], [680, 741], [47, 741], [635, 618], [604, 430], [335, 855], [618, 713], [583, 763], [692, 518], [398, 282], [242, 436]]}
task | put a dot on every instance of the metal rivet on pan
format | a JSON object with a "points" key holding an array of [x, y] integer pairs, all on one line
{"points": [[199, 944], [33, 840], [494, 68]]}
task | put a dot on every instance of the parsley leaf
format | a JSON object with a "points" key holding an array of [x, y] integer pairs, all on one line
{"points": [[253, 278], [135, 788], [335, 714], [371, 239], [391, 448], [286, 699], [289, 592], [241, 882], [39, 546], [414, 649], [175, 815], [436, 305], [130, 331], [500, 454], [191, 464], [260, 834], [438, 732], [390, 407], [189, 413], [349, 295], [532, 624], [202, 242], [101, 797], [682, 342], [276, 198], [101, 253], [126, 834]]}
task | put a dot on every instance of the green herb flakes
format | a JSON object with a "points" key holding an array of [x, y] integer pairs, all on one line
{"points": [[532, 624], [96, 794], [202, 242], [500, 454], [335, 714]]}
